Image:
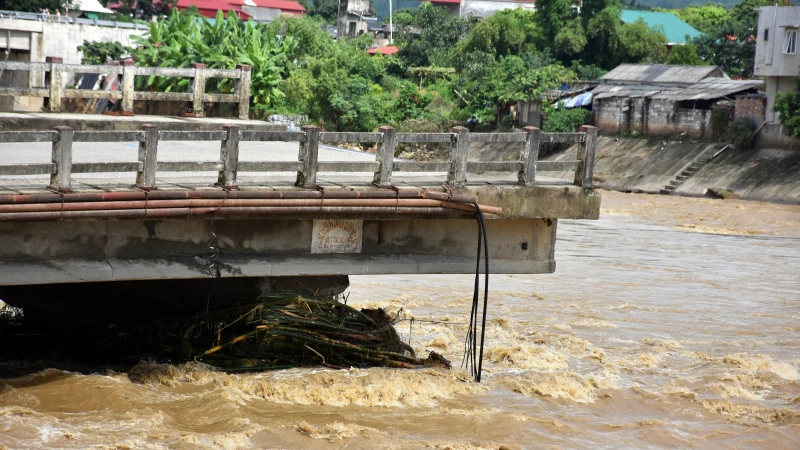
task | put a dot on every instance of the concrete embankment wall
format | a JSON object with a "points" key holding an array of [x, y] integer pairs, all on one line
{"points": [[647, 165]]}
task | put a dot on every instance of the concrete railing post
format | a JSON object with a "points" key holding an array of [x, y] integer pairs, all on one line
{"points": [[385, 157], [148, 159], [585, 171], [243, 91], [128, 74], [62, 160], [309, 152], [529, 156], [229, 156], [198, 88], [56, 81], [459, 150]]}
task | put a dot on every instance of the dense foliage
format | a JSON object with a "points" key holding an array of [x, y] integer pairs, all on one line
{"points": [[184, 38], [427, 34], [731, 43], [788, 106], [33, 5], [448, 69], [563, 120], [96, 53]]}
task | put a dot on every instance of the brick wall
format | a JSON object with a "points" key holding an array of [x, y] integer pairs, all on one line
{"points": [[751, 107]]}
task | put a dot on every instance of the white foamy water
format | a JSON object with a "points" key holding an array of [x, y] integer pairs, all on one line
{"points": [[646, 336]]}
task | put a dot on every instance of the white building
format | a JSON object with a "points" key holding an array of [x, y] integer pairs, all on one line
{"points": [[777, 57]]}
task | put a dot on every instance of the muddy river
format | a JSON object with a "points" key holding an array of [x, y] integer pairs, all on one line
{"points": [[670, 322]]}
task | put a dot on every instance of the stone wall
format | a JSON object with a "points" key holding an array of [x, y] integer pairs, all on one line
{"points": [[649, 116]]}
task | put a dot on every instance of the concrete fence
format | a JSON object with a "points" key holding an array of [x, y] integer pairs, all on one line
{"points": [[55, 72], [307, 164]]}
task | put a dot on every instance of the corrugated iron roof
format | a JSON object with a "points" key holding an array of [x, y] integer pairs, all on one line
{"points": [[662, 73], [708, 89], [628, 90]]}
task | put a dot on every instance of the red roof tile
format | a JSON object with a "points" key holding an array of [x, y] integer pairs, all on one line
{"points": [[283, 5], [385, 50]]}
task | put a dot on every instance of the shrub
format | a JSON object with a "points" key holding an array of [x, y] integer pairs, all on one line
{"points": [[563, 120], [742, 132]]}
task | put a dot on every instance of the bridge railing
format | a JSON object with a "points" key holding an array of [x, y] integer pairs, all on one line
{"points": [[55, 71], [307, 164]]}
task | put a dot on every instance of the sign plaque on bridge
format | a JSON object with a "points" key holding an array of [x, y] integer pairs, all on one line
{"points": [[337, 236]]}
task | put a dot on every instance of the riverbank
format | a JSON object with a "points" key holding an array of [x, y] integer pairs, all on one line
{"points": [[705, 215], [647, 165]]}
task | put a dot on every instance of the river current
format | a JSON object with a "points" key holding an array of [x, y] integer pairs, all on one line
{"points": [[670, 322]]}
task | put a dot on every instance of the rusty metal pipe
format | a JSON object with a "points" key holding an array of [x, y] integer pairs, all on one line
{"points": [[183, 212], [195, 203], [219, 194]]}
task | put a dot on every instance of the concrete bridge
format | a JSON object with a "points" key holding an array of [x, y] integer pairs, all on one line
{"points": [[169, 220]]}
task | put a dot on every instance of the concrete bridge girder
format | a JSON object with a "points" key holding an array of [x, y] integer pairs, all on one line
{"points": [[521, 240]]}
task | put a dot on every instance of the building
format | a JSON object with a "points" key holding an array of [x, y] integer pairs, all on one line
{"points": [[264, 11], [209, 8], [355, 18], [268, 10], [777, 59], [674, 28], [665, 99], [385, 50], [481, 9]]}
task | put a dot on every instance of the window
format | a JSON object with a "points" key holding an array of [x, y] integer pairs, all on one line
{"points": [[790, 43], [766, 34]]}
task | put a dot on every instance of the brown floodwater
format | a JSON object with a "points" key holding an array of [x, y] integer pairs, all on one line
{"points": [[670, 322]]}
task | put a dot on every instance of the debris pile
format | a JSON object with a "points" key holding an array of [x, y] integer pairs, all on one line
{"points": [[281, 331]]}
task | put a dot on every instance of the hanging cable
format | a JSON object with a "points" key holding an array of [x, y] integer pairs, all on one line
{"points": [[473, 350]]}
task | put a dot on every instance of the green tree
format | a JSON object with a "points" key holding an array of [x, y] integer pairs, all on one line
{"points": [[611, 42], [731, 44], [552, 16], [563, 120], [686, 55], [490, 85], [326, 9], [507, 32], [96, 53], [788, 106], [33, 5], [571, 41], [426, 35], [703, 17]]}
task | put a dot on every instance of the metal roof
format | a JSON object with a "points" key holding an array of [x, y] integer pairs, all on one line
{"points": [[708, 89], [711, 89], [662, 73], [674, 28], [628, 90]]}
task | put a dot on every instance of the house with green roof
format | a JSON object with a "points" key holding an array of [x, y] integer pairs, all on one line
{"points": [[674, 28]]}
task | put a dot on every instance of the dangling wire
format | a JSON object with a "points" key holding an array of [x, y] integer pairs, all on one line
{"points": [[473, 351]]}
